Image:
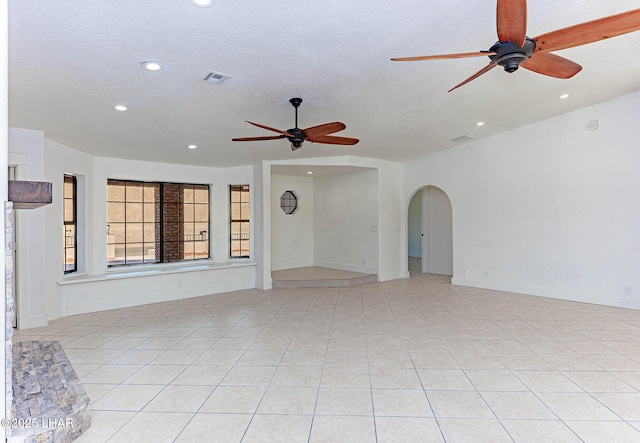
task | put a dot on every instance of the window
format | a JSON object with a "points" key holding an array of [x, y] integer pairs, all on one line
{"points": [[288, 202], [70, 222], [239, 224], [196, 221], [156, 222]]}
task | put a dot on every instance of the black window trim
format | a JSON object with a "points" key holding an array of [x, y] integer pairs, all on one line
{"points": [[73, 223], [161, 222], [238, 220]]}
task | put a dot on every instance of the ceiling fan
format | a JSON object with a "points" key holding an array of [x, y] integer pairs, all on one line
{"points": [[314, 134], [515, 49]]}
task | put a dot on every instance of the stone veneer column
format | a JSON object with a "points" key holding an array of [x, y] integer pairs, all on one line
{"points": [[10, 312]]}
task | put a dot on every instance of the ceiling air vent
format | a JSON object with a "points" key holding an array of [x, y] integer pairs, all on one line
{"points": [[216, 78], [462, 138]]}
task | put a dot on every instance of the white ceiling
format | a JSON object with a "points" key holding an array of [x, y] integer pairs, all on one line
{"points": [[71, 61], [313, 170]]}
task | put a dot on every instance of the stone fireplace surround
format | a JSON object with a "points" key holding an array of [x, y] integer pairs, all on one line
{"points": [[45, 401], [49, 403]]}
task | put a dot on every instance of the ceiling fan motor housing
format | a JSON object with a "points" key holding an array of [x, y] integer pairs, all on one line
{"points": [[509, 55], [297, 139]]}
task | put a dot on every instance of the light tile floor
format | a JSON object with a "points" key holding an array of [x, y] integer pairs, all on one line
{"points": [[400, 361]]}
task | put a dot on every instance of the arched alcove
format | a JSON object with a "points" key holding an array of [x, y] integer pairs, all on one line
{"points": [[429, 232]]}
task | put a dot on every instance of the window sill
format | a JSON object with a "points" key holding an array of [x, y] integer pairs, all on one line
{"points": [[146, 271]]}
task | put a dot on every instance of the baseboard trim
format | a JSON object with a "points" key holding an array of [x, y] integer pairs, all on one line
{"points": [[560, 294], [346, 267]]}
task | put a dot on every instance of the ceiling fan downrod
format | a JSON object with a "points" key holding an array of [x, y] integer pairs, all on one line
{"points": [[298, 136]]}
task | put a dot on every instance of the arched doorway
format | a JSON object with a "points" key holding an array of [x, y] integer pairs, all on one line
{"points": [[430, 234]]}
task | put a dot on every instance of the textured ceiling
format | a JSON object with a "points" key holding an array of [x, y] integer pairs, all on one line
{"points": [[71, 61]]}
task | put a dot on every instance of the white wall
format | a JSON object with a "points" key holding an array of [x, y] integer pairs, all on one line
{"points": [[356, 215], [157, 287], [62, 160], [261, 207], [4, 125], [46, 293], [26, 152], [292, 235], [392, 238], [414, 225], [346, 221], [548, 209], [132, 289]]}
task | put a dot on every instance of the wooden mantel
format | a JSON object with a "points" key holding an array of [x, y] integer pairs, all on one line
{"points": [[29, 194]]}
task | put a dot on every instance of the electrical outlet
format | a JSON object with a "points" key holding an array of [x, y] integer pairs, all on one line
{"points": [[464, 272], [486, 274], [628, 290], [364, 260]]}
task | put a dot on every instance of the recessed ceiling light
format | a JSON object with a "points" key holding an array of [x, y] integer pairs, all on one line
{"points": [[202, 3], [121, 108], [192, 146], [151, 66], [309, 172], [480, 124], [563, 96]]}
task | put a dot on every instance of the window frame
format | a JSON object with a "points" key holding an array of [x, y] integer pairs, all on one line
{"points": [[162, 239], [244, 189], [199, 235], [73, 223]]}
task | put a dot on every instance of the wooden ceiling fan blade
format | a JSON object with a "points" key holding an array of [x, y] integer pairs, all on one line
{"points": [[552, 65], [327, 128], [511, 21], [589, 32], [486, 69], [270, 129], [249, 139], [443, 56], [333, 140]]}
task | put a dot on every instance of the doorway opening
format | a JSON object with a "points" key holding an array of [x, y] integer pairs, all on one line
{"points": [[430, 232]]}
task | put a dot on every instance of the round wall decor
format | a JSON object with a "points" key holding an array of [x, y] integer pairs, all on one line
{"points": [[289, 202]]}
